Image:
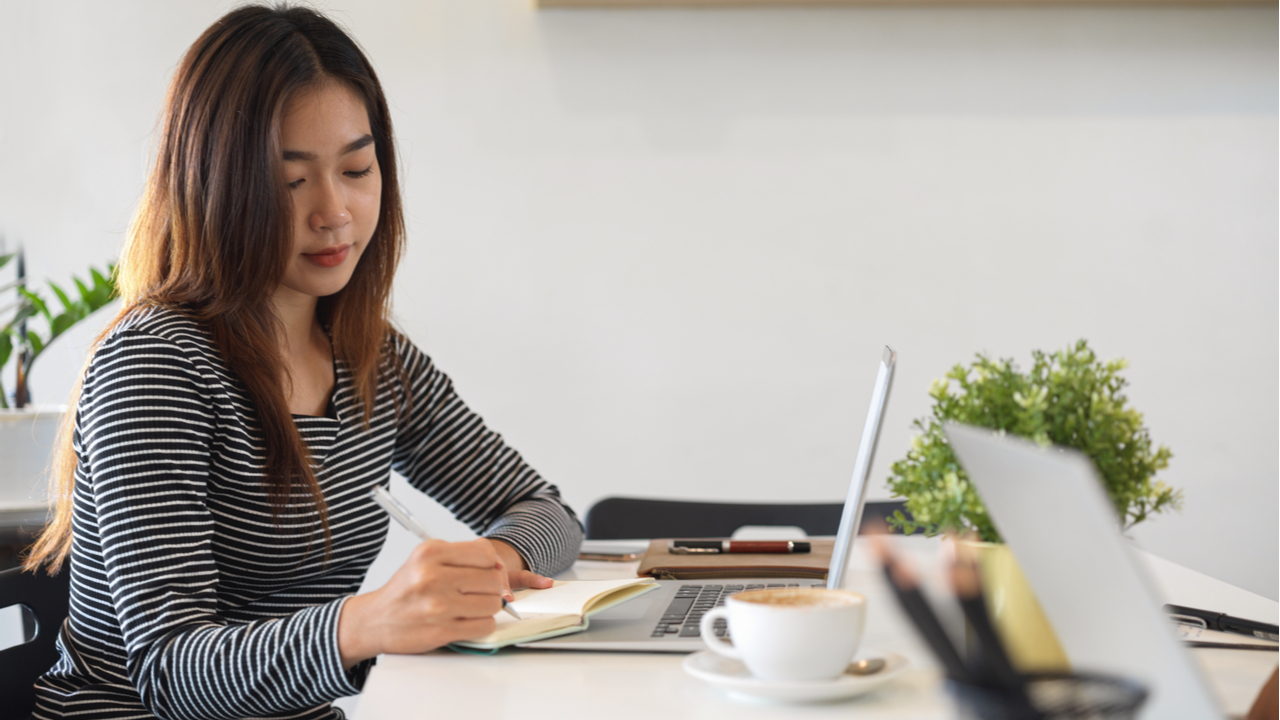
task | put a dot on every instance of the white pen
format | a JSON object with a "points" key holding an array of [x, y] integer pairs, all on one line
{"points": [[410, 523]]}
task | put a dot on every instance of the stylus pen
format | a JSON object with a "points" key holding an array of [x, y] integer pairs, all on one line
{"points": [[698, 547], [992, 661], [1225, 623], [907, 590], [410, 523]]}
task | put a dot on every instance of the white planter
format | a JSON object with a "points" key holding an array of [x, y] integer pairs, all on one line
{"points": [[26, 449]]}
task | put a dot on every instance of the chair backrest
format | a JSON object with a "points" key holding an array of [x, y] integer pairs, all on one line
{"points": [[46, 598], [617, 518]]}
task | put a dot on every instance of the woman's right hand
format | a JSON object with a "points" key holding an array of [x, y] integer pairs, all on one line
{"points": [[443, 593]]}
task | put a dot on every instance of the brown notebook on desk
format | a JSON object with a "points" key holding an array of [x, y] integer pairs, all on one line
{"points": [[661, 564]]}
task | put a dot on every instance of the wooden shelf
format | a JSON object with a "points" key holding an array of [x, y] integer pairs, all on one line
{"points": [[667, 4]]}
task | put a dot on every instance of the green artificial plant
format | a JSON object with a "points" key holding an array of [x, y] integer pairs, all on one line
{"points": [[23, 343], [1069, 399]]}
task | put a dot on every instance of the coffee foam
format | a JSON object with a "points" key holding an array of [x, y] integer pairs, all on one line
{"points": [[798, 598]]}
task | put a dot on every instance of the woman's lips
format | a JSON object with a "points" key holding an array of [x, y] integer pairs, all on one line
{"points": [[329, 257]]}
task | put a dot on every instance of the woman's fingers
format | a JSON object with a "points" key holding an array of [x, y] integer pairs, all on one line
{"points": [[502, 571], [475, 554], [444, 592], [462, 606], [473, 581], [469, 568], [517, 574], [528, 579], [452, 578]]}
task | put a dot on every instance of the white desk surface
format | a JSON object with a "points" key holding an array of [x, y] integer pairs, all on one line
{"points": [[537, 684]]}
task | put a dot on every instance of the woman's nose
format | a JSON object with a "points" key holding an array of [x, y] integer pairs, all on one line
{"points": [[330, 210]]}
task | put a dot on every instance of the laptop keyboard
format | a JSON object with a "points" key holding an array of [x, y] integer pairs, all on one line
{"points": [[684, 615]]}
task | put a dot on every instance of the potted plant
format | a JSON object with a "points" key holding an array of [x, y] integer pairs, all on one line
{"points": [[28, 324], [1068, 398]]}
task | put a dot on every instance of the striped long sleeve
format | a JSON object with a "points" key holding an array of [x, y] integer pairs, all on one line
{"points": [[504, 498], [189, 598]]}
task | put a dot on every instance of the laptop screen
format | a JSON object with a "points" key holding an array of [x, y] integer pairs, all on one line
{"points": [[856, 497]]}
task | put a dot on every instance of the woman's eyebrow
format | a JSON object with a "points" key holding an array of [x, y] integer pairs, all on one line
{"points": [[354, 145]]}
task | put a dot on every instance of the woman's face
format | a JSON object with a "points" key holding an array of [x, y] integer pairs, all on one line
{"points": [[336, 187]]}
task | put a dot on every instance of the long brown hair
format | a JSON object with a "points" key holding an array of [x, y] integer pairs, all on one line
{"points": [[213, 231]]}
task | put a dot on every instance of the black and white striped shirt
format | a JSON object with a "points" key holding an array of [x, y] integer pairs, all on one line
{"points": [[187, 599]]}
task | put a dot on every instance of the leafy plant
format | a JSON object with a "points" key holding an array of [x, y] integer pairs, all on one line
{"points": [[1069, 398], [26, 346]]}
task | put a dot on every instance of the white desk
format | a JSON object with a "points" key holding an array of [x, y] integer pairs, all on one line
{"points": [[537, 684]]}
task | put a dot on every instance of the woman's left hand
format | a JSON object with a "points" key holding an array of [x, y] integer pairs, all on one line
{"points": [[517, 575]]}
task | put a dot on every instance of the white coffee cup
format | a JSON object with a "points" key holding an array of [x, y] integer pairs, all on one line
{"points": [[790, 633]]}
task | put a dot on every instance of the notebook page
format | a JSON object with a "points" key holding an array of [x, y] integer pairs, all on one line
{"points": [[566, 598], [504, 619]]}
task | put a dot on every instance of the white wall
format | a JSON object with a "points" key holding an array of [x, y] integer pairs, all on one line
{"points": [[661, 250]]}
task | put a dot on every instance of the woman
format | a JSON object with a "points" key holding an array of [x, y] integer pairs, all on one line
{"points": [[215, 488]]}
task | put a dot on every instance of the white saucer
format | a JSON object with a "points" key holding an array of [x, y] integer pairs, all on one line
{"points": [[732, 675]]}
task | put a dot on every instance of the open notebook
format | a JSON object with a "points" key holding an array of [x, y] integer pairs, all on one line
{"points": [[558, 610]]}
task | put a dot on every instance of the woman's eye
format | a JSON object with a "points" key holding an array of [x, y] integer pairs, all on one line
{"points": [[360, 173], [294, 185]]}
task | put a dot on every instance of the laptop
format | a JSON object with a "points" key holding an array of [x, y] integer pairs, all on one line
{"points": [[1051, 509], [666, 619]]}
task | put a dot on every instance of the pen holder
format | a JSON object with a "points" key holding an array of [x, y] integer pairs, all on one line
{"points": [[1053, 696]]}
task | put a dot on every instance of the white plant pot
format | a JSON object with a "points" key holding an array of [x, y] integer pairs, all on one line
{"points": [[26, 449]]}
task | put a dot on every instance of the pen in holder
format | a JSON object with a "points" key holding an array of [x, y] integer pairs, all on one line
{"points": [[984, 683], [1052, 696]]}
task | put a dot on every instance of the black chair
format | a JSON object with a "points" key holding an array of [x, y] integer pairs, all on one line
{"points": [[618, 518], [44, 601]]}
